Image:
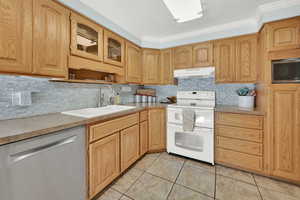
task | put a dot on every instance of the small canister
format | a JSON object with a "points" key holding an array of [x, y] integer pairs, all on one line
{"points": [[154, 99], [138, 98], [149, 99], [144, 99]]}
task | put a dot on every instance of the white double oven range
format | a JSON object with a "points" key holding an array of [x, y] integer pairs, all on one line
{"points": [[190, 125]]}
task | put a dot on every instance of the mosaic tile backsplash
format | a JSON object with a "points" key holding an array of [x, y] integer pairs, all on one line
{"points": [[50, 97], [225, 93]]}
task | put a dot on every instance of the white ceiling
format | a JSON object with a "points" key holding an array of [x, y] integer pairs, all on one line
{"points": [[151, 22]]}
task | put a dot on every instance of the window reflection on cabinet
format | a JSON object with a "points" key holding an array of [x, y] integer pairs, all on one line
{"points": [[114, 48], [86, 38]]}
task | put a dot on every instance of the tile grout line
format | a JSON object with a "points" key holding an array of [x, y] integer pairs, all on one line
{"points": [[176, 179], [257, 187]]}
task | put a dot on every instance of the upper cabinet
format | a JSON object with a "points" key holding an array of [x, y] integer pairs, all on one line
{"points": [[167, 67], [235, 59], [16, 36], [203, 54], [183, 57], [86, 38], [50, 38], [151, 67], [284, 34], [114, 49], [224, 52], [246, 58], [133, 63]]}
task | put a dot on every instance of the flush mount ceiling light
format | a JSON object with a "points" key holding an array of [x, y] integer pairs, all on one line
{"points": [[184, 10]]}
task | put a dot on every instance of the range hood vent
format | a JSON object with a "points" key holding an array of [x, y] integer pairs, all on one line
{"points": [[202, 72]]}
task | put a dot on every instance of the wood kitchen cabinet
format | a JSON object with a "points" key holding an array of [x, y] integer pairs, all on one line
{"points": [[224, 53], [157, 129], [50, 38], [86, 38], [151, 67], [104, 163], [284, 132], [16, 36], [246, 58], [183, 56], [130, 144], [167, 67], [284, 34], [133, 63], [143, 132], [203, 54], [114, 49]]}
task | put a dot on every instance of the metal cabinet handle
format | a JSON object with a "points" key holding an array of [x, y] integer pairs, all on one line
{"points": [[30, 152]]}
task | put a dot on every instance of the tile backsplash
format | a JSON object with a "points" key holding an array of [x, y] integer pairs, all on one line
{"points": [[49, 97], [225, 93]]}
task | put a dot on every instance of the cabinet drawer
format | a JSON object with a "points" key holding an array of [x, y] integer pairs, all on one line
{"points": [[240, 120], [253, 135], [143, 116], [106, 128], [238, 159], [239, 145]]}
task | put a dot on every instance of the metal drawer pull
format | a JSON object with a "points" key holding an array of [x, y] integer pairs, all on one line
{"points": [[28, 153]]}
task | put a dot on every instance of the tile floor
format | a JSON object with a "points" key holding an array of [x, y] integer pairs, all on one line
{"points": [[161, 176]]}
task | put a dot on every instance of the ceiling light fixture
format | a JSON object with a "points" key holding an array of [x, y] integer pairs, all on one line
{"points": [[184, 10]]}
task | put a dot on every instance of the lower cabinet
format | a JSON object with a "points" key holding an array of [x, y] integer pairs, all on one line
{"points": [[104, 163], [157, 129], [239, 141], [143, 137], [130, 145]]}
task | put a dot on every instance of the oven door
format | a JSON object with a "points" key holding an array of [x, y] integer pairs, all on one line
{"points": [[198, 144]]}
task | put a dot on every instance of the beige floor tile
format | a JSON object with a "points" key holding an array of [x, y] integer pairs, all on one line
{"points": [[235, 174], [146, 161], [198, 179], [230, 189], [201, 165], [124, 182], [181, 193], [273, 195], [166, 168], [168, 156], [110, 194], [125, 198], [278, 186], [149, 187]]}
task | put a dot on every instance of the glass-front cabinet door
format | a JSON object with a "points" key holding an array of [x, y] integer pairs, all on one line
{"points": [[114, 49], [86, 38]]}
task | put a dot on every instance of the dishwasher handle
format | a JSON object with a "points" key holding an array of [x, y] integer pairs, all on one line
{"points": [[31, 152]]}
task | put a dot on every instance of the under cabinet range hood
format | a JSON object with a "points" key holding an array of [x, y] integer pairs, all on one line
{"points": [[201, 72]]}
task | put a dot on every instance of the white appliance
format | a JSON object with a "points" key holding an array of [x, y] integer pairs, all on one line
{"points": [[203, 72], [198, 143]]}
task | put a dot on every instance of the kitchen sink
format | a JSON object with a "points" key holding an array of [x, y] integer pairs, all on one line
{"points": [[96, 112]]}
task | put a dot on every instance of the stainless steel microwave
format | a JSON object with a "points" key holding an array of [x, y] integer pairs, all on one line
{"points": [[286, 71]]}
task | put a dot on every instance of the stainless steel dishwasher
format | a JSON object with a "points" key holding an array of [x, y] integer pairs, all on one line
{"points": [[50, 167]]}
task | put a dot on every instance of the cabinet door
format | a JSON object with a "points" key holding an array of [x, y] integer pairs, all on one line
{"points": [[167, 67], [133, 63], [246, 48], [104, 163], [50, 38], [203, 54], [114, 49], [143, 137], [151, 67], [157, 129], [285, 145], [284, 34], [183, 57], [224, 52], [86, 38], [130, 145], [16, 36]]}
